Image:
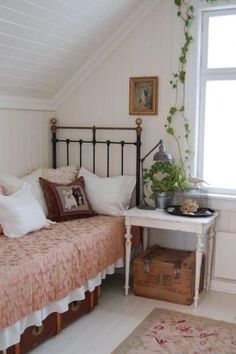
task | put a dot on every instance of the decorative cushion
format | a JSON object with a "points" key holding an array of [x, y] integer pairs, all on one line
{"points": [[20, 213], [66, 202], [62, 175], [110, 196]]}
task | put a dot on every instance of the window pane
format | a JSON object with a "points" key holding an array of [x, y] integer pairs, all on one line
{"points": [[219, 166], [222, 42]]}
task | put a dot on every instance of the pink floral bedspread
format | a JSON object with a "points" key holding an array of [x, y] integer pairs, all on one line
{"points": [[45, 266]]}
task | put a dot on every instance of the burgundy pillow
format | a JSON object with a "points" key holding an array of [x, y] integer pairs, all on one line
{"points": [[66, 202]]}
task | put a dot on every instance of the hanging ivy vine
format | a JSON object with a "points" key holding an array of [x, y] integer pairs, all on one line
{"points": [[185, 12]]}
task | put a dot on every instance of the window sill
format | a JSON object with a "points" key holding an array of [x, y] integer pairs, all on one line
{"points": [[226, 197]]}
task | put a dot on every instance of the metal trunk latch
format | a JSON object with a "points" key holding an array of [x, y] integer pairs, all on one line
{"points": [[147, 264]]}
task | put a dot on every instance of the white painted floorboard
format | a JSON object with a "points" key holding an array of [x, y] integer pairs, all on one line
{"points": [[116, 316]]}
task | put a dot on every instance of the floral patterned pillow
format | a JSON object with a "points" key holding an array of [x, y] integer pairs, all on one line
{"points": [[63, 175], [66, 201]]}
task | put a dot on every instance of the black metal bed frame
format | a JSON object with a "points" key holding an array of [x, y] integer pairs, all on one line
{"points": [[94, 141]]}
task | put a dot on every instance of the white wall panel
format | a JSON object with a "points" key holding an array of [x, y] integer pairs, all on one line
{"points": [[24, 140], [225, 256], [103, 99]]}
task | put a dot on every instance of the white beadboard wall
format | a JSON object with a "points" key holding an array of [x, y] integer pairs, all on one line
{"points": [[24, 140], [103, 99]]}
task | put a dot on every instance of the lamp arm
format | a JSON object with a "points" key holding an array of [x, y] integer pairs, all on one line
{"points": [[143, 158]]}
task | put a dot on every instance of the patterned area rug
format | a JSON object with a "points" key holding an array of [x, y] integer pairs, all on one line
{"points": [[170, 332]]}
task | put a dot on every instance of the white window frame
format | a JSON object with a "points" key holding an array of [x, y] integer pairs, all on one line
{"points": [[205, 76]]}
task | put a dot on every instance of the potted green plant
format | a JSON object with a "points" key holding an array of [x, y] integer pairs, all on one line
{"points": [[163, 179]]}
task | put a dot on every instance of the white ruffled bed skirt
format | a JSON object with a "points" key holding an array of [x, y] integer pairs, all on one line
{"points": [[11, 335]]}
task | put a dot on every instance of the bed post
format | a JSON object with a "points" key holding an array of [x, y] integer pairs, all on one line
{"points": [[53, 121], [138, 157]]}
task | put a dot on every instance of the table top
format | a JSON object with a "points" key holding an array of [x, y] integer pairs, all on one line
{"points": [[162, 215]]}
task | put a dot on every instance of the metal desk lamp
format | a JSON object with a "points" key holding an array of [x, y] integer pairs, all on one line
{"points": [[161, 155]]}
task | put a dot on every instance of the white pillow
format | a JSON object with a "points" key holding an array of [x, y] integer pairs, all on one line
{"points": [[10, 183], [36, 189], [20, 213], [62, 175], [110, 196]]}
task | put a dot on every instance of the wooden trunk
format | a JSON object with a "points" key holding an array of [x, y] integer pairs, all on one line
{"points": [[53, 324], [166, 274]]}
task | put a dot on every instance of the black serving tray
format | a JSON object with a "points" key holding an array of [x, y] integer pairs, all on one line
{"points": [[201, 212]]}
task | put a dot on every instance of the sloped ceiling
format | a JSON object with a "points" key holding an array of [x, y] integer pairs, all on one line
{"points": [[44, 42]]}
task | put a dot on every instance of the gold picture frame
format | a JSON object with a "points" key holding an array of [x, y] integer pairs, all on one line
{"points": [[143, 95]]}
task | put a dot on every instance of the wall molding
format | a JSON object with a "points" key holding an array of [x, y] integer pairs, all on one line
{"points": [[24, 103], [223, 286], [102, 53]]}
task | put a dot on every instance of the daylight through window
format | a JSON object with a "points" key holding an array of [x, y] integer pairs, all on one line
{"points": [[217, 121]]}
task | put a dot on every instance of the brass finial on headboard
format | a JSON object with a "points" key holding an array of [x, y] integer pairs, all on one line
{"points": [[138, 121], [53, 121]]}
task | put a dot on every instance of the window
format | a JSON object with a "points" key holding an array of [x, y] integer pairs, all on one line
{"points": [[217, 119]]}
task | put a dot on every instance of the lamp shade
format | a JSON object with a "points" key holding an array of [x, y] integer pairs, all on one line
{"points": [[162, 155]]}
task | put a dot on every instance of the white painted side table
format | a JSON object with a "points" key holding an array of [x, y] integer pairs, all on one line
{"points": [[160, 219]]}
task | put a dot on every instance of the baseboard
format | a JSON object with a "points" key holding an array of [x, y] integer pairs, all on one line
{"points": [[223, 286]]}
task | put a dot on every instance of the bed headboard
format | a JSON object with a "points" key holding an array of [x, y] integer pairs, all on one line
{"points": [[137, 130]]}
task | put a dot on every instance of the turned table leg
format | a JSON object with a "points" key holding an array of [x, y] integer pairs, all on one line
{"points": [[128, 237], [199, 252], [211, 240]]}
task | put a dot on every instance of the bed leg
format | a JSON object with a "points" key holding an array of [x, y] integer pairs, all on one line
{"points": [[91, 301], [59, 325]]}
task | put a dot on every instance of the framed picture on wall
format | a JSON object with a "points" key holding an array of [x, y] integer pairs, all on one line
{"points": [[143, 95]]}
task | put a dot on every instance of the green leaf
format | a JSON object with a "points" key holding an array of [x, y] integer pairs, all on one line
{"points": [[169, 119], [186, 126], [170, 131], [173, 110], [178, 2]]}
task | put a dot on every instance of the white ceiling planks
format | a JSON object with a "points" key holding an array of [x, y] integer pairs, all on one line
{"points": [[43, 42]]}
